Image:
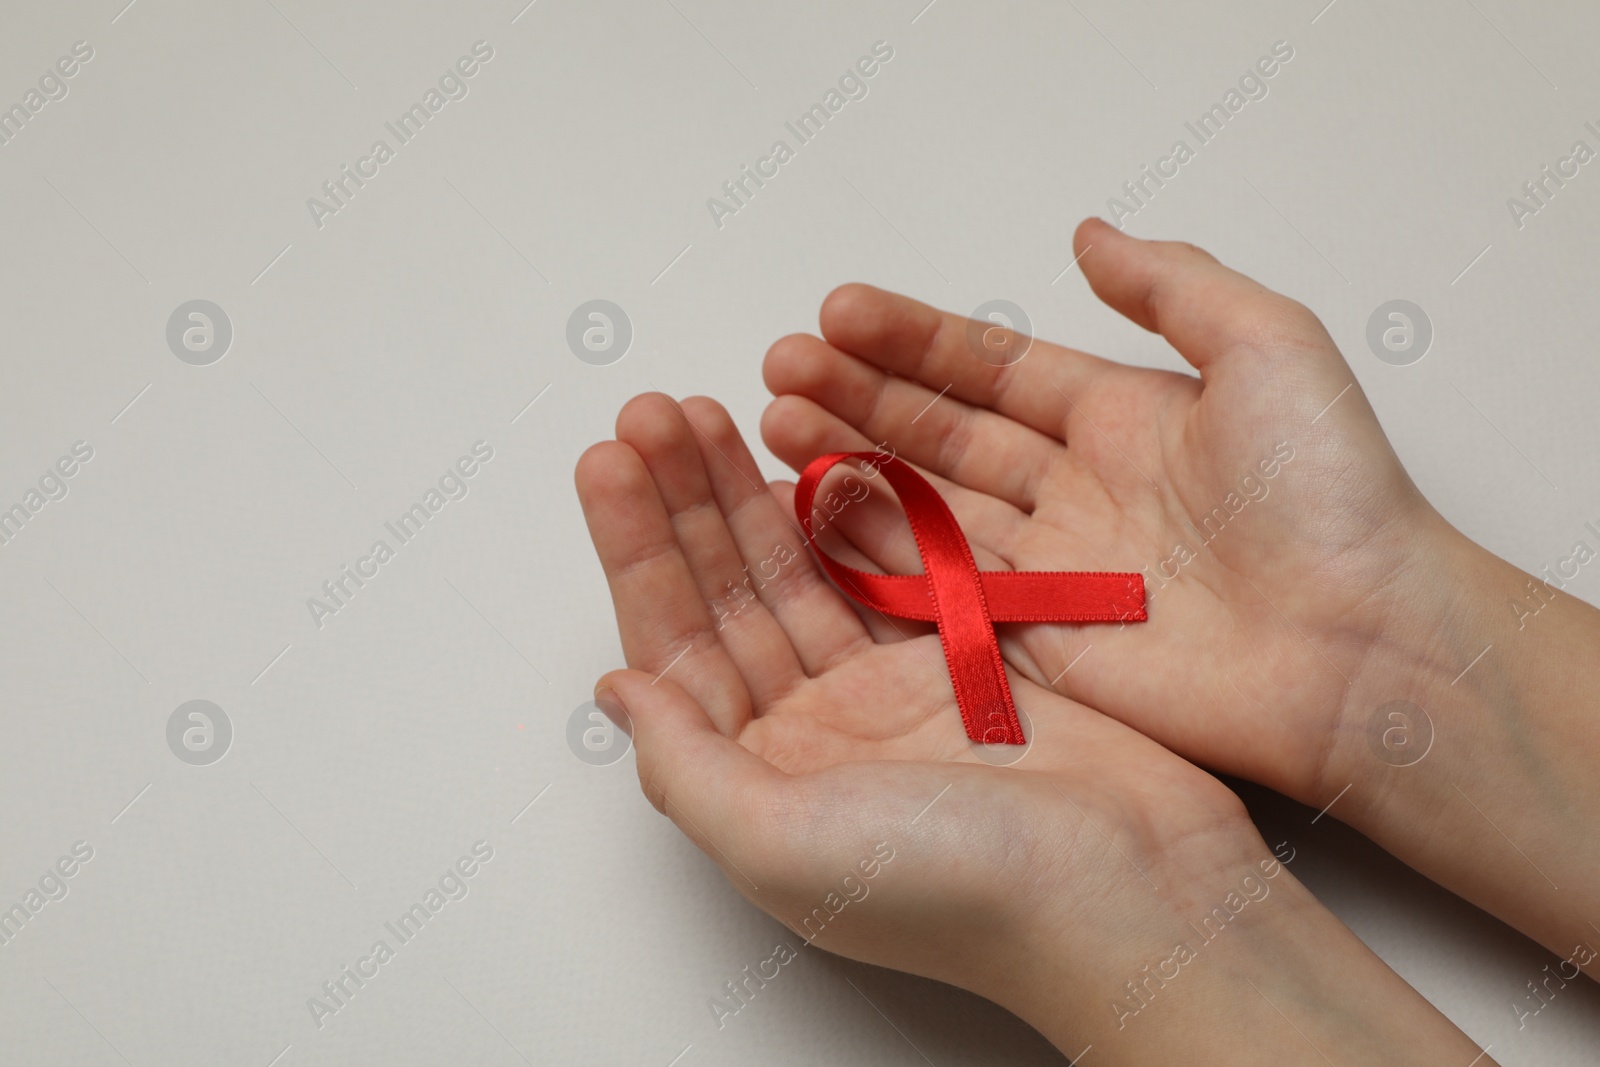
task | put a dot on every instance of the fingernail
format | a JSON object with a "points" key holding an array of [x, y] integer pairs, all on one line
{"points": [[611, 706]]}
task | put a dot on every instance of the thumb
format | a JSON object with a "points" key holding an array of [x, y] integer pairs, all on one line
{"points": [[1208, 312], [712, 787]]}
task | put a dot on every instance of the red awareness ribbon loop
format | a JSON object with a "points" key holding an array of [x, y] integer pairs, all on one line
{"points": [[963, 601]]}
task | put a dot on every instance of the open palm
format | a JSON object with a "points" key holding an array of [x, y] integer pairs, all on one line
{"points": [[1261, 500], [788, 735]]}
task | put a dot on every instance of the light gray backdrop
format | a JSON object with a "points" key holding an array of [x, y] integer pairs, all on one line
{"points": [[374, 345]]}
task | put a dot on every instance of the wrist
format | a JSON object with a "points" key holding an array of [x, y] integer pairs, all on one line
{"points": [[1232, 961], [1434, 628], [1465, 743], [1104, 968]]}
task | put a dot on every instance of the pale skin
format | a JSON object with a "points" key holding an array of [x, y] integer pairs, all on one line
{"points": [[798, 733]]}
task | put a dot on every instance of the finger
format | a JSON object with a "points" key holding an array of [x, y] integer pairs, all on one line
{"points": [[972, 446], [663, 620], [818, 622], [712, 787], [654, 426], [832, 540], [915, 341], [797, 430], [1204, 310]]}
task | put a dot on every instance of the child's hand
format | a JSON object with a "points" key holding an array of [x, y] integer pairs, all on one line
{"points": [[1278, 535], [822, 763], [1299, 583]]}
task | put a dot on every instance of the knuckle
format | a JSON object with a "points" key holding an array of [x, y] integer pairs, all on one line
{"points": [[1277, 323], [1186, 251]]}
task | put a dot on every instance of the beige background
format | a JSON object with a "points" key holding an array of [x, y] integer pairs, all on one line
{"points": [[424, 316]]}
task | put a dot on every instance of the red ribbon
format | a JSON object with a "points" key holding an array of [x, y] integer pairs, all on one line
{"points": [[963, 601]]}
